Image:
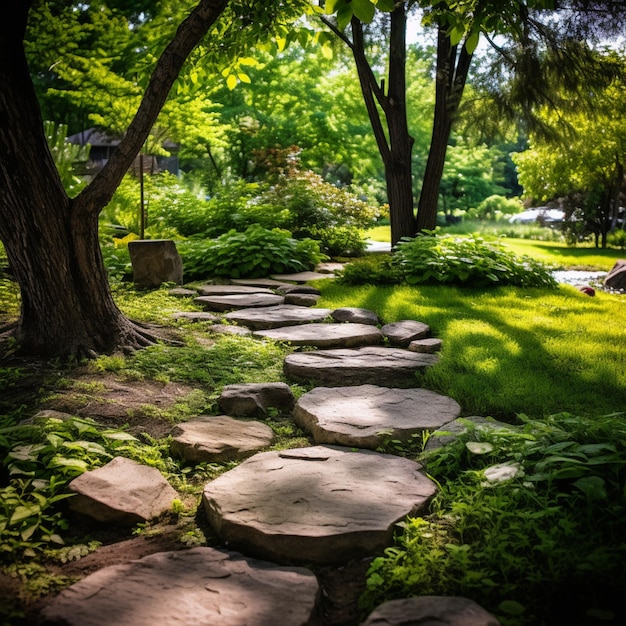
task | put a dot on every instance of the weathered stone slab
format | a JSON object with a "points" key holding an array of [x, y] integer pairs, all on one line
{"points": [[329, 267], [239, 301], [196, 316], [449, 433], [255, 399], [301, 299], [260, 282], [355, 315], [387, 367], [402, 333], [155, 261], [427, 346], [431, 611], [289, 288], [325, 335], [365, 415], [616, 278], [222, 438], [122, 492], [322, 504], [230, 290], [277, 316], [194, 587], [300, 277]]}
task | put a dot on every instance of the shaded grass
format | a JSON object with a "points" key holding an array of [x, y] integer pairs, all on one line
{"points": [[512, 350]]}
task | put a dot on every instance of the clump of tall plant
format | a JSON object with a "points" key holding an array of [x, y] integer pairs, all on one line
{"points": [[529, 522]]}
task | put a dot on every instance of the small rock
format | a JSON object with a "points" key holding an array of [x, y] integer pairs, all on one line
{"points": [[301, 299], [230, 329], [213, 439], [356, 316], [431, 611], [426, 346], [196, 316], [182, 292], [588, 291], [255, 399], [289, 289], [402, 333], [122, 492]]}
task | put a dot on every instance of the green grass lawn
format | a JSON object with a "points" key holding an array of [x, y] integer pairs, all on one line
{"points": [[512, 350]]}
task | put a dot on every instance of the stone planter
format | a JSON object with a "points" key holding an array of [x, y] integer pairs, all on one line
{"points": [[155, 261]]}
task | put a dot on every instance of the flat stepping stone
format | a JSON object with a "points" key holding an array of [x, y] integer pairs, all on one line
{"points": [[431, 611], [196, 316], [322, 504], [355, 315], [329, 267], [194, 587], [325, 335], [182, 292], [260, 282], [229, 329], [365, 415], [387, 367], [256, 399], [402, 333], [230, 290], [300, 277], [288, 288], [239, 301], [208, 439], [122, 492], [277, 316]]}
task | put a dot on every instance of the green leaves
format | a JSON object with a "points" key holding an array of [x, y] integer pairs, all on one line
{"points": [[363, 10]]}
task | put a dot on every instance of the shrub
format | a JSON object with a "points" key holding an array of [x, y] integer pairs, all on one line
{"points": [[541, 544], [467, 261], [257, 252], [494, 207], [339, 240], [371, 270], [617, 239]]}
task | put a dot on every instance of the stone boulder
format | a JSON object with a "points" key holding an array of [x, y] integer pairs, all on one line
{"points": [[155, 261], [196, 587], [322, 504], [402, 333], [365, 415], [301, 299], [256, 399], [122, 492], [616, 278], [325, 335], [208, 439], [431, 611], [288, 289], [387, 367], [356, 316], [426, 346]]}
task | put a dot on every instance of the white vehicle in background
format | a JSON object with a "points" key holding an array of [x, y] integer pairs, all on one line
{"points": [[542, 215]]}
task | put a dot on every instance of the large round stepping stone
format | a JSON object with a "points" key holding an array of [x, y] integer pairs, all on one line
{"points": [[365, 415], [387, 367], [277, 316], [194, 587], [326, 335], [223, 438], [402, 333], [322, 504], [431, 611], [122, 492], [230, 290], [239, 301]]}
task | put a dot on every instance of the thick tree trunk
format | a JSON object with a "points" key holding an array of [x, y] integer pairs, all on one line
{"points": [[452, 70], [52, 241]]}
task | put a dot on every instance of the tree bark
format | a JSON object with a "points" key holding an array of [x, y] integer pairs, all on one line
{"points": [[452, 70], [51, 240]]}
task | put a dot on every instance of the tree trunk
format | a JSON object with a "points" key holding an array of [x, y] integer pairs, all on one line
{"points": [[452, 70], [51, 240]]}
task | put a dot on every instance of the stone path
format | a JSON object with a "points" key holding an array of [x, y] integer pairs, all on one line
{"points": [[323, 505]]}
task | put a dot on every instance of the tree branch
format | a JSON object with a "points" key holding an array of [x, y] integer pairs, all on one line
{"points": [[189, 34]]}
